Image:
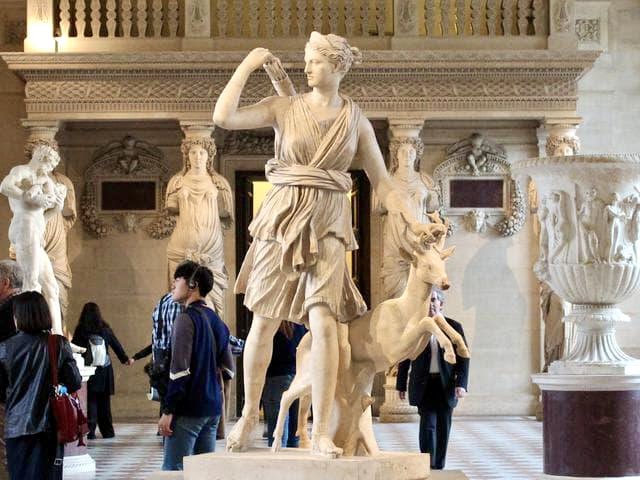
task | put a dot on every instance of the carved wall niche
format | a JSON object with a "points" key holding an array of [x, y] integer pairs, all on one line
{"points": [[476, 185], [124, 188]]}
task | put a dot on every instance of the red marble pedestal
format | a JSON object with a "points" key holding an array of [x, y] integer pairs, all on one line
{"points": [[591, 425]]}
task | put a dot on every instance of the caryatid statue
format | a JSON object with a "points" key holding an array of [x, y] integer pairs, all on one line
{"points": [[34, 198], [203, 202], [55, 239], [422, 198]]}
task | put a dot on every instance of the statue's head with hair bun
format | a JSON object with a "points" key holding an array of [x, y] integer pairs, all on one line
{"points": [[336, 49]]}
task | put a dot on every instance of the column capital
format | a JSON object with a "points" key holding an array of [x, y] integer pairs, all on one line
{"points": [[40, 132], [197, 129], [405, 126], [561, 135]]}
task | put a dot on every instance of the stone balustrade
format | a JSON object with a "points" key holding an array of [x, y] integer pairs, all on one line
{"points": [[85, 25]]}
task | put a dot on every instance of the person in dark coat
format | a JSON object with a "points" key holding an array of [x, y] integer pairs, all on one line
{"points": [[33, 452], [10, 285], [434, 387], [101, 385]]}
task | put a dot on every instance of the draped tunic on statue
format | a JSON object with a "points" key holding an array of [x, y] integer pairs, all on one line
{"points": [[303, 228]]}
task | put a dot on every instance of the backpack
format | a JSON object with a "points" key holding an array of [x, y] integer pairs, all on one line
{"points": [[98, 349]]}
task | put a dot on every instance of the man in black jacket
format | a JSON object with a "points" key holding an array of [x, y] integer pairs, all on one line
{"points": [[434, 387], [10, 285]]}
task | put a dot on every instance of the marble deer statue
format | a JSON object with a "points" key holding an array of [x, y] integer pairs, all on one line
{"points": [[397, 329]]}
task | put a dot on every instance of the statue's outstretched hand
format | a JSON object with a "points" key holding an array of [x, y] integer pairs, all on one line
{"points": [[256, 59]]}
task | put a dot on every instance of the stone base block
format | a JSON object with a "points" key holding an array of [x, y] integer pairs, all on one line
{"points": [[78, 466], [294, 464], [554, 477], [562, 367]]}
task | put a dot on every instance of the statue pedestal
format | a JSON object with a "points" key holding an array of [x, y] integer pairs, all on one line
{"points": [[294, 464], [591, 425], [394, 410], [77, 461]]}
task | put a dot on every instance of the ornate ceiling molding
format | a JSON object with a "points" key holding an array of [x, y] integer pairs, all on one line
{"points": [[185, 84]]}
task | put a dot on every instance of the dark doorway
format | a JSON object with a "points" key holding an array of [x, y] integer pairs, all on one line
{"points": [[250, 186]]}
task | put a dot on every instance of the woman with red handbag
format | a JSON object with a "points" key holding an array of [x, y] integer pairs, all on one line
{"points": [[33, 451]]}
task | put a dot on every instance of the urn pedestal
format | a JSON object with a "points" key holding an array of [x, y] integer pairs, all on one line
{"points": [[589, 254], [77, 461]]}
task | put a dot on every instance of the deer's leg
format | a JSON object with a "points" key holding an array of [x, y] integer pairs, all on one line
{"points": [[455, 337], [301, 386], [303, 418]]}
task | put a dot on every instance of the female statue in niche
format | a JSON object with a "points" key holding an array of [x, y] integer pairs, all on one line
{"points": [[422, 198], [295, 268], [202, 200]]}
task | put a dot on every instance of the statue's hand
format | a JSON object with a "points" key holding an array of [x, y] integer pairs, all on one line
{"points": [[257, 58]]}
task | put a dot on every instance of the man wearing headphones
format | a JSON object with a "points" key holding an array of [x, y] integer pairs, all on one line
{"points": [[193, 403]]}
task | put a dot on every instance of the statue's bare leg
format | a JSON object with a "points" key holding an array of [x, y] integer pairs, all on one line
{"points": [[27, 257], [257, 354], [324, 370], [50, 291]]}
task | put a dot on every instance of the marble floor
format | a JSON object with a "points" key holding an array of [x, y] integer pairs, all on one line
{"points": [[484, 448]]}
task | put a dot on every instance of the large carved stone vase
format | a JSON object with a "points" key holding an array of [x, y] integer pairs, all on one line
{"points": [[589, 250], [589, 214]]}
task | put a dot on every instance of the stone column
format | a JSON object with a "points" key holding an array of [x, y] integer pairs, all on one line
{"points": [[77, 461], [395, 410]]}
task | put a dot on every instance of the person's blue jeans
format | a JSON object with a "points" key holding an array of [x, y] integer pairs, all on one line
{"points": [[274, 387], [191, 436]]}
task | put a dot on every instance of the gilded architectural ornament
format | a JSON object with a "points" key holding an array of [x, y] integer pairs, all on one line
{"points": [[119, 162]]}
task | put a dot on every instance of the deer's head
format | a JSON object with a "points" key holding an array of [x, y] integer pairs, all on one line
{"points": [[429, 254]]}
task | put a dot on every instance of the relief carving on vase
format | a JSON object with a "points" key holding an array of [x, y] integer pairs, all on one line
{"points": [[124, 188], [475, 184]]}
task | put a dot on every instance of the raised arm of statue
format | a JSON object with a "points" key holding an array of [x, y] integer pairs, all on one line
{"points": [[226, 113]]}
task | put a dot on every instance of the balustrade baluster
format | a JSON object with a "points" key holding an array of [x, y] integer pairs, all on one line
{"points": [[430, 19], [301, 17], [81, 21], [156, 17], [492, 16], [254, 8], [65, 16], [364, 17], [523, 16], [334, 16], [476, 17], [317, 15], [238, 6], [126, 18], [507, 16], [349, 18], [222, 17], [445, 13], [141, 17], [539, 18], [380, 14], [173, 20], [270, 18], [461, 17], [95, 18], [286, 17], [111, 18]]}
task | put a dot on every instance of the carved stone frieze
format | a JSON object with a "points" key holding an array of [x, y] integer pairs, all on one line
{"points": [[184, 83], [249, 143], [125, 160]]}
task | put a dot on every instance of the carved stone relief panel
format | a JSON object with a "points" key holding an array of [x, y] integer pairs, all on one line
{"points": [[591, 25], [124, 187], [475, 184]]}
